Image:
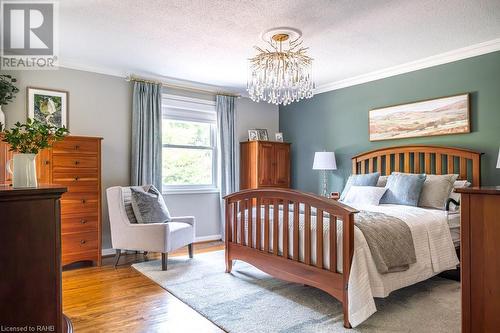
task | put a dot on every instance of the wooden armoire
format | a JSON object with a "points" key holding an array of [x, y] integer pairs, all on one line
{"points": [[75, 163], [264, 164]]}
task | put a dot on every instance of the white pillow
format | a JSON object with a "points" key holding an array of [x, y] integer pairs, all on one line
{"points": [[456, 196], [364, 195]]}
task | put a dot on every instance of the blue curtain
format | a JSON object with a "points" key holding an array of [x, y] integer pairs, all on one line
{"points": [[227, 147], [146, 135]]}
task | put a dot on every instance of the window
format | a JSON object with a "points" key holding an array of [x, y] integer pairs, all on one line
{"points": [[189, 144]]}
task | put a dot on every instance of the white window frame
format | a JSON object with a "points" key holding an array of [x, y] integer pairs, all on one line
{"points": [[195, 110]]}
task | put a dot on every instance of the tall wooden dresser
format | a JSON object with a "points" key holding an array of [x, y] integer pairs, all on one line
{"points": [[264, 164], [74, 163], [480, 258]]}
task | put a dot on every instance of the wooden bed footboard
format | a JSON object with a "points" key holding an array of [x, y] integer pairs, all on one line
{"points": [[254, 246]]}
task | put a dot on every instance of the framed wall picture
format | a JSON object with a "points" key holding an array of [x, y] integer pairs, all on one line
{"points": [[439, 116], [263, 136], [48, 106], [279, 137], [253, 135]]}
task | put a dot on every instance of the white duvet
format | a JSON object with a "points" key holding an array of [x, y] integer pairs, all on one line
{"points": [[434, 250], [433, 247]]}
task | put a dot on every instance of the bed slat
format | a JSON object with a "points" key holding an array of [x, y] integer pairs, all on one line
{"points": [[296, 208], [463, 168], [266, 226], [258, 221], [275, 226], [235, 220], [307, 234], [397, 164], [427, 163], [333, 243], [439, 164], [379, 164], [319, 238], [285, 228], [451, 164], [407, 162], [387, 164], [249, 223], [416, 162]]}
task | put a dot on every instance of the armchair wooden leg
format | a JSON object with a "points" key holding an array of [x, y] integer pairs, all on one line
{"points": [[164, 258], [190, 250], [117, 256]]}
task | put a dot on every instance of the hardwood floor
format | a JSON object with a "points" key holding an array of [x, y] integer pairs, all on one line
{"points": [[105, 299]]}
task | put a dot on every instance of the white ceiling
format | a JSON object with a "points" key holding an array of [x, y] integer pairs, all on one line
{"points": [[209, 41]]}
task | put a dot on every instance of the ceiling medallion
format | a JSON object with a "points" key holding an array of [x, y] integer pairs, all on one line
{"points": [[282, 73]]}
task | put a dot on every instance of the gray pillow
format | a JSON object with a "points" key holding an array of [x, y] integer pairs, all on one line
{"points": [[127, 201], [436, 190], [149, 207], [368, 179], [403, 189]]}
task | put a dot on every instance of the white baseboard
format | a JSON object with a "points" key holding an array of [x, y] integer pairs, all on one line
{"points": [[109, 252], [207, 238]]}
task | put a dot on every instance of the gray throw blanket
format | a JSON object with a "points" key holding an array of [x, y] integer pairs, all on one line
{"points": [[389, 239]]}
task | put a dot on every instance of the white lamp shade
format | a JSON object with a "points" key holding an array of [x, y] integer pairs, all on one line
{"points": [[324, 160], [498, 161]]}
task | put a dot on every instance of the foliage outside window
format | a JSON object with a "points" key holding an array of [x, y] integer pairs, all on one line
{"points": [[189, 153]]}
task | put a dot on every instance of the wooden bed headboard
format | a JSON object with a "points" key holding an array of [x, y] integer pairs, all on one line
{"points": [[421, 159]]}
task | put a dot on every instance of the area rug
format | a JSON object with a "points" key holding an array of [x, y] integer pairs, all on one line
{"points": [[250, 301]]}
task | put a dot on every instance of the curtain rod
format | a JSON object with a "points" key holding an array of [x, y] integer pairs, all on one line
{"points": [[132, 78]]}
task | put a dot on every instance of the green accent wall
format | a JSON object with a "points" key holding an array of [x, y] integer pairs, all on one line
{"points": [[338, 120]]}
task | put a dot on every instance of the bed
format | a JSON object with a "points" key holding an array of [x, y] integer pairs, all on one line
{"points": [[316, 243]]}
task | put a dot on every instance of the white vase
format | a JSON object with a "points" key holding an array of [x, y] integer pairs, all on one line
{"points": [[2, 119], [23, 170]]}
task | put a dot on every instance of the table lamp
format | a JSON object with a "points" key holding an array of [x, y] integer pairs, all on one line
{"points": [[324, 161]]}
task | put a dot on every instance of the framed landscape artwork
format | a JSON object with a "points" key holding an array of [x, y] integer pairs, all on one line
{"points": [[48, 106], [440, 116]]}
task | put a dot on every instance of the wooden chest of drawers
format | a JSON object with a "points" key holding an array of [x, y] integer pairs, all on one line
{"points": [[74, 163]]}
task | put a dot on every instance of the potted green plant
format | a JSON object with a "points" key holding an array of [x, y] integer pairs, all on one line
{"points": [[7, 94], [27, 140]]}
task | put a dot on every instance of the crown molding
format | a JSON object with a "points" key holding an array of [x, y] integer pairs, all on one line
{"points": [[208, 88], [439, 59]]}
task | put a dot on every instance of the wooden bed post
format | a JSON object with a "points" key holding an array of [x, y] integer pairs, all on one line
{"points": [[227, 236], [348, 252]]}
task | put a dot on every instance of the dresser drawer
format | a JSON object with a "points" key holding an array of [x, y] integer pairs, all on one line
{"points": [[74, 161], [83, 204], [71, 145], [80, 242], [77, 180], [71, 257], [79, 222]]}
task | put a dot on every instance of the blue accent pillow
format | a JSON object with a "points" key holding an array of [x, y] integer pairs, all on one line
{"points": [[403, 189], [368, 179]]}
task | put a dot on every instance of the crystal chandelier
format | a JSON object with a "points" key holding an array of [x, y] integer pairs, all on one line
{"points": [[283, 73]]}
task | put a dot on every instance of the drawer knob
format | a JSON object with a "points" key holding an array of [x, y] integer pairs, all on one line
{"points": [[77, 147], [77, 162], [83, 221], [77, 178], [84, 201], [83, 241], [47, 162]]}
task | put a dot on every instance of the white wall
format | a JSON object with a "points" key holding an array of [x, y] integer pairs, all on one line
{"points": [[101, 105]]}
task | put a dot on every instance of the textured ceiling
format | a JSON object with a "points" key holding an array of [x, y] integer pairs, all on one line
{"points": [[209, 41]]}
